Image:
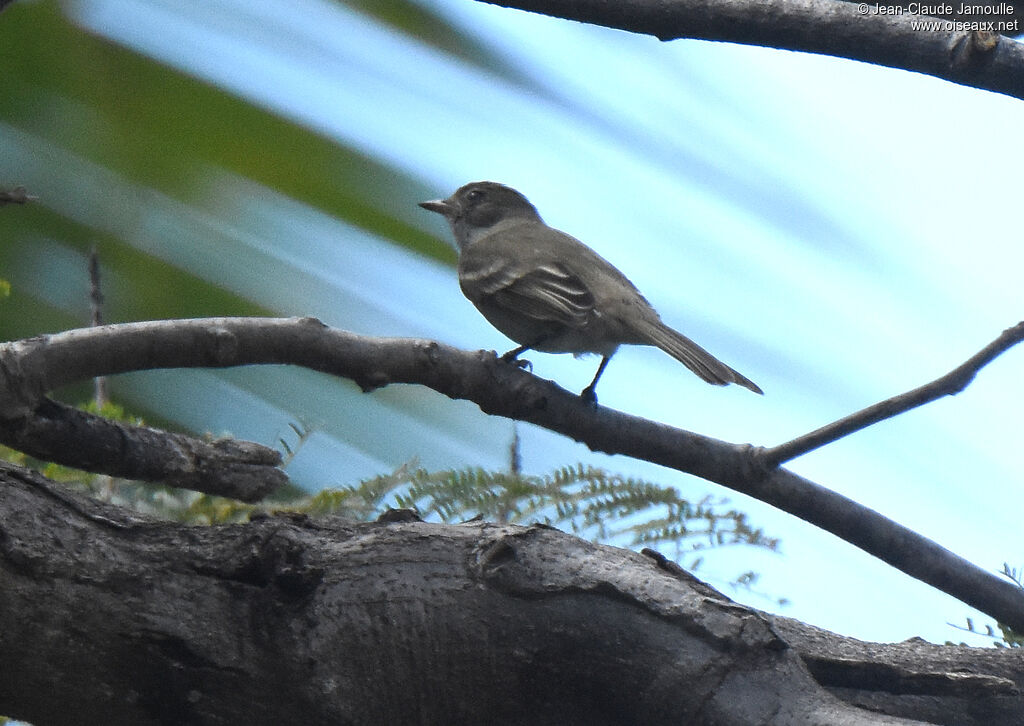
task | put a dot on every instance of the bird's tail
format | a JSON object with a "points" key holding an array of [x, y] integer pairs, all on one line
{"points": [[691, 355]]}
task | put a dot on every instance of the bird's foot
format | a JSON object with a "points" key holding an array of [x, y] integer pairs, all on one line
{"points": [[511, 357], [587, 395]]}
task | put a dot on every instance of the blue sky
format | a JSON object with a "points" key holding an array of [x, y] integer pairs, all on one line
{"points": [[836, 231]]}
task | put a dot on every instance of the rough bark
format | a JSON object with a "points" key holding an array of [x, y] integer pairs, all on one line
{"points": [[960, 51], [110, 618]]}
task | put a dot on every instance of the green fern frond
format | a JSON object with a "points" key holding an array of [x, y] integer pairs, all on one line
{"points": [[586, 500]]}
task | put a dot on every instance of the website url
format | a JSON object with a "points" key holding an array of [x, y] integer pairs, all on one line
{"points": [[1003, 27]]}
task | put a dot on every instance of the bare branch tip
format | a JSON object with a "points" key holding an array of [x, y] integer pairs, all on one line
{"points": [[18, 195]]}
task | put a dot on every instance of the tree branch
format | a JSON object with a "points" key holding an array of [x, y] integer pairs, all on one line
{"points": [[45, 429], [408, 622], [29, 368], [948, 385], [232, 468], [829, 27]]}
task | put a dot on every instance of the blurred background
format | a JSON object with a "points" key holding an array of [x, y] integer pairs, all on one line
{"points": [[836, 231]]}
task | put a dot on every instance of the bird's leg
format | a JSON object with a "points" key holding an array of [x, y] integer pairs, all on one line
{"points": [[587, 394], [513, 355]]}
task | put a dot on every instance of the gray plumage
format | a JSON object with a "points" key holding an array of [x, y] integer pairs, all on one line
{"points": [[550, 292]]}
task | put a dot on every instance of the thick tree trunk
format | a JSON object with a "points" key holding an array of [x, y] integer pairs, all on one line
{"points": [[110, 618]]}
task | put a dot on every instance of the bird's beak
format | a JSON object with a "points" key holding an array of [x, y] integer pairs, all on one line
{"points": [[441, 206]]}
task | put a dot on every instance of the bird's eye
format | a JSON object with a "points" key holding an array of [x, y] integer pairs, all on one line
{"points": [[475, 195]]}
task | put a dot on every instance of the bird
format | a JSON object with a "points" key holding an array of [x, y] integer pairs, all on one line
{"points": [[549, 292]]}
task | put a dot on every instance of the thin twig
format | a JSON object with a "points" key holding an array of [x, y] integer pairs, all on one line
{"points": [[18, 195], [515, 459], [96, 319], [948, 385]]}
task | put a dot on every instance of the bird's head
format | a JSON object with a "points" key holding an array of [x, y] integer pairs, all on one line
{"points": [[475, 209]]}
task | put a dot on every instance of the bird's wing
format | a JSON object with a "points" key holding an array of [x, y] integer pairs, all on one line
{"points": [[548, 292]]}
